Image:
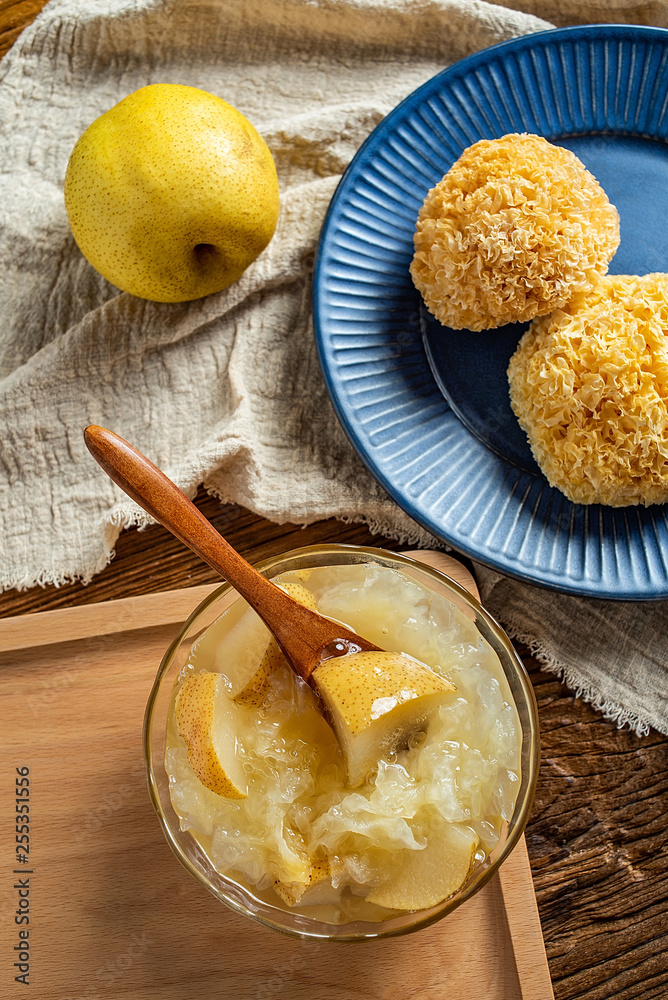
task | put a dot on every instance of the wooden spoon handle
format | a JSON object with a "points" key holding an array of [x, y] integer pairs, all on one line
{"points": [[301, 633], [164, 501]]}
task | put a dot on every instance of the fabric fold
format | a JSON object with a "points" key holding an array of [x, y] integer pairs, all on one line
{"points": [[226, 391]]}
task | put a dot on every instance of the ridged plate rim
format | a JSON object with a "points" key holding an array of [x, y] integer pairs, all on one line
{"points": [[366, 311]]}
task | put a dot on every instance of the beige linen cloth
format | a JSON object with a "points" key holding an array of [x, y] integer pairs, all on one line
{"points": [[227, 391]]}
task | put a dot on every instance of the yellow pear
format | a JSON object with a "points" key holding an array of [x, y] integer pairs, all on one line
{"points": [[255, 691], [256, 688], [427, 877], [206, 720], [315, 887], [171, 194], [298, 592], [375, 700]]}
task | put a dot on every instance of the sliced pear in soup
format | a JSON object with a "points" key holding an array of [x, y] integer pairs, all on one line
{"points": [[298, 592], [255, 690], [233, 646], [207, 721], [375, 700], [315, 887], [427, 877]]}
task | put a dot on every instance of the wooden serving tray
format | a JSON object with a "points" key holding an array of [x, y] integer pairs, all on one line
{"points": [[113, 914]]}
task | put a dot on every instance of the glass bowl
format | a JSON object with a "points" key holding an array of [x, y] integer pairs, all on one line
{"points": [[251, 902]]}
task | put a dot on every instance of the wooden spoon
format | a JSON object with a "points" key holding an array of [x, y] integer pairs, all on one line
{"points": [[374, 700], [305, 637]]}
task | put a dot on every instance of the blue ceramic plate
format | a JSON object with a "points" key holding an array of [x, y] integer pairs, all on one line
{"points": [[429, 412]]}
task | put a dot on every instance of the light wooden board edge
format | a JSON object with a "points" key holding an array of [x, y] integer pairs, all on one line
{"points": [[174, 606], [449, 566], [164, 608], [104, 618], [524, 927]]}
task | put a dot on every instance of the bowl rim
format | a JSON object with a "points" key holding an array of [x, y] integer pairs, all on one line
{"points": [[532, 765]]}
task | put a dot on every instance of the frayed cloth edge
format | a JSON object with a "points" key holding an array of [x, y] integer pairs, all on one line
{"points": [[134, 517], [409, 535], [53, 578], [405, 536], [611, 710], [129, 518]]}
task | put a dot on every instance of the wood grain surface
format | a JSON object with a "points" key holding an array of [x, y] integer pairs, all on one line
{"points": [[489, 949], [15, 15], [597, 835]]}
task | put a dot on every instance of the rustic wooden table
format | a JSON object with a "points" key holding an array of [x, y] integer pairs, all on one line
{"points": [[597, 835]]}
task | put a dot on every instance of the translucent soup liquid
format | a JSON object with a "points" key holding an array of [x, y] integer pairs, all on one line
{"points": [[427, 814]]}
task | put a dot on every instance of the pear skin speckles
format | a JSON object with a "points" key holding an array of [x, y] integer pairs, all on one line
{"points": [[319, 875], [375, 701], [298, 592], [255, 691], [364, 686], [172, 193], [205, 721]]}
